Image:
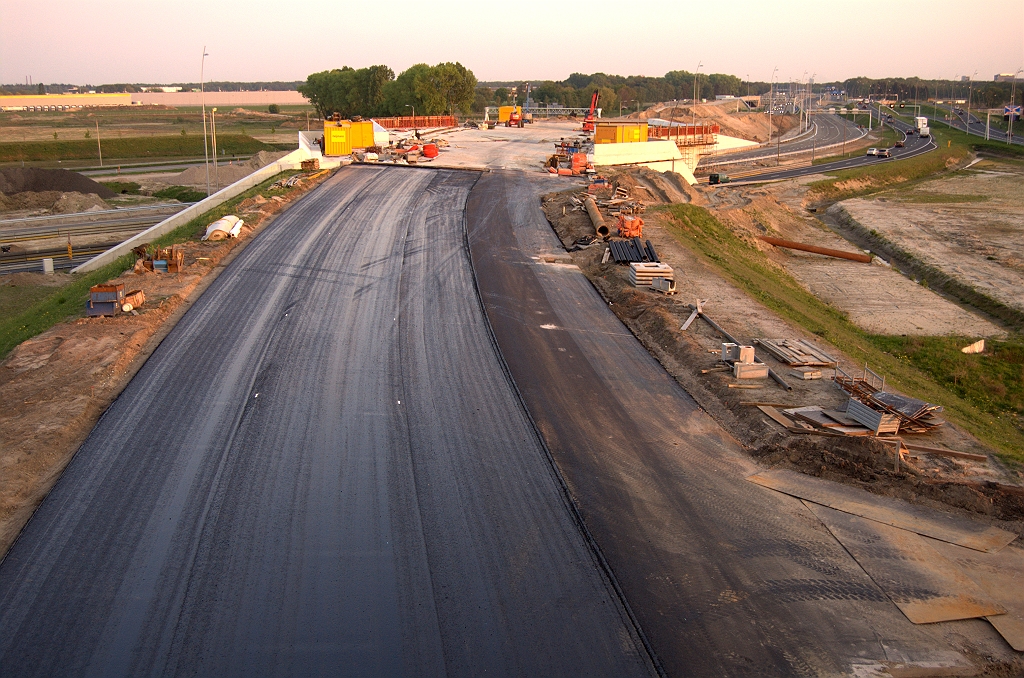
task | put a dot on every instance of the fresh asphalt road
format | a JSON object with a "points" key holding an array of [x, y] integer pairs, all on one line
{"points": [[322, 470], [725, 578]]}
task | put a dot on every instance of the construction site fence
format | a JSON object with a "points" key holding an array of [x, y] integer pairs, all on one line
{"points": [[410, 122], [686, 135]]}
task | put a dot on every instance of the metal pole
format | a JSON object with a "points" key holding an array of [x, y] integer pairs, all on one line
{"points": [[771, 104], [202, 94], [98, 146], [693, 109], [1013, 103], [216, 168], [988, 125], [970, 90]]}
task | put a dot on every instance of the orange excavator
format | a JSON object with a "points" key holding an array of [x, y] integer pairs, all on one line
{"points": [[588, 122]]}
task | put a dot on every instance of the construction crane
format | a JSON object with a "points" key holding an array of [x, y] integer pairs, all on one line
{"points": [[588, 122]]}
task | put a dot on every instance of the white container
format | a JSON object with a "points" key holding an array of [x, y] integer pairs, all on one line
{"points": [[48, 265]]}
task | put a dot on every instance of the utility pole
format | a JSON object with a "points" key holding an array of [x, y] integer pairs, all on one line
{"points": [[216, 169], [98, 146], [970, 90], [202, 94], [988, 125], [1013, 104], [771, 104], [693, 109]]}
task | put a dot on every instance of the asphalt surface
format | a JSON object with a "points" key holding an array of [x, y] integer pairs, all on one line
{"points": [[914, 146], [828, 130], [724, 578], [322, 470]]}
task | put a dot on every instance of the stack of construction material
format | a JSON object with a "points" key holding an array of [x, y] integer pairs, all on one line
{"points": [[225, 227], [744, 362], [634, 250], [630, 226], [642, 274], [310, 165], [104, 300], [879, 422], [797, 353], [133, 300], [868, 392]]}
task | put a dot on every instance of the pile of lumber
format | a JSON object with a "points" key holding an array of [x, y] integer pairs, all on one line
{"points": [[642, 274], [797, 353], [913, 415]]}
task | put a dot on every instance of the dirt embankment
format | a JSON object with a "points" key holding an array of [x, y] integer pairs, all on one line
{"points": [[55, 386], [656, 320], [743, 124], [224, 174]]}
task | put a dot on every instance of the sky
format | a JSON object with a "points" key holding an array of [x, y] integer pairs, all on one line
{"points": [[145, 41]]}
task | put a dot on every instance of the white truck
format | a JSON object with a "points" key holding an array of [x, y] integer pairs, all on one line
{"points": [[921, 125]]}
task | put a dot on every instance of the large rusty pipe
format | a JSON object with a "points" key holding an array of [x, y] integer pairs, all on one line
{"points": [[595, 217], [839, 254]]}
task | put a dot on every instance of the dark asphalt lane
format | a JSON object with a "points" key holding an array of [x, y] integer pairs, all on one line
{"points": [[829, 129], [322, 470], [914, 146], [725, 579]]}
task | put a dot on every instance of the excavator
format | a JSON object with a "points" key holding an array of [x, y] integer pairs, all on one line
{"points": [[588, 122]]}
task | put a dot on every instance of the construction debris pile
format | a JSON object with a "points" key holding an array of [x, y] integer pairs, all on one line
{"points": [[632, 251], [159, 259], [403, 152], [872, 406], [570, 158], [109, 300]]}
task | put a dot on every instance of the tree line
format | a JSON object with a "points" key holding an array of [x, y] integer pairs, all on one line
{"points": [[444, 89], [985, 93]]}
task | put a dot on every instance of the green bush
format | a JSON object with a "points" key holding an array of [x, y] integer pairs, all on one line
{"points": [[180, 193], [128, 187], [274, 108]]}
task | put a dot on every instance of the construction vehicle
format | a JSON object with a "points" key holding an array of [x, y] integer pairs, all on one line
{"points": [[515, 118], [588, 122]]}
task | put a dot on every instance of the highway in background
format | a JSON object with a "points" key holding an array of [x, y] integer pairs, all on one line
{"points": [[915, 146], [827, 130], [322, 470]]}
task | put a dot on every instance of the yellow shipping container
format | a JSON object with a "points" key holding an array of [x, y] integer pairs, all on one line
{"points": [[362, 134], [505, 112], [620, 132], [338, 138]]}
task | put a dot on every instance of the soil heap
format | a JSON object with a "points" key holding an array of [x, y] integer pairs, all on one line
{"points": [[33, 179]]}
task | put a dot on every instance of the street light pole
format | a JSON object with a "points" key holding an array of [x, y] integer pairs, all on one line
{"points": [[970, 90], [202, 94], [771, 104], [693, 109], [1013, 103], [216, 169]]}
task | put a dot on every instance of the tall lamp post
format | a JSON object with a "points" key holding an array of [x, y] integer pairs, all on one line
{"points": [[202, 94], [693, 109], [771, 104], [216, 170], [970, 90], [414, 130], [1013, 103]]}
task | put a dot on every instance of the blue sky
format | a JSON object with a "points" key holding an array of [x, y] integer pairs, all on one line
{"points": [[103, 41]]}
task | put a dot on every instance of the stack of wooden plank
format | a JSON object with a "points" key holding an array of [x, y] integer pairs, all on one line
{"points": [[797, 352], [913, 415], [642, 274]]}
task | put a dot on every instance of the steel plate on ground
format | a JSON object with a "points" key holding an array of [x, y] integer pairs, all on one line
{"points": [[887, 510], [921, 582], [1001, 577]]}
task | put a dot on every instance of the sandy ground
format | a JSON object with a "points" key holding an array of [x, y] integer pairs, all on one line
{"points": [[874, 296], [54, 387], [505, 147], [980, 243]]}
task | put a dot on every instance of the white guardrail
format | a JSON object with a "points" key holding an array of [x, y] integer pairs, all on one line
{"points": [[290, 161]]}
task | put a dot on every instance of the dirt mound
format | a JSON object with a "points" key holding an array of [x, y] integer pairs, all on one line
{"points": [[69, 203], [744, 124], [15, 180], [54, 201], [225, 174]]}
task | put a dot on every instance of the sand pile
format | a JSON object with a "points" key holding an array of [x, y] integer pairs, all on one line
{"points": [[225, 174], [15, 180], [55, 202]]}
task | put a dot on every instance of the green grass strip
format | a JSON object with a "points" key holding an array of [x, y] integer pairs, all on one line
{"points": [[120, 148], [923, 370]]}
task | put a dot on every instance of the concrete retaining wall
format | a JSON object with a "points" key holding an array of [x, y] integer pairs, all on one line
{"points": [[662, 156], [290, 161]]}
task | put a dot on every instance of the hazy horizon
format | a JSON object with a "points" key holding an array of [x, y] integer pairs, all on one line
{"points": [[111, 41]]}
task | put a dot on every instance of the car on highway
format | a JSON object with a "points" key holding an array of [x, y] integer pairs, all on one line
{"points": [[872, 151], [899, 144], [883, 153]]}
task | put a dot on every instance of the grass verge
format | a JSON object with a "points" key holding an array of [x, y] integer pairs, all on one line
{"points": [[918, 370], [128, 148], [180, 193]]}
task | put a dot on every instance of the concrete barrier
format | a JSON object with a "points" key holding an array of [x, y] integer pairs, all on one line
{"points": [[290, 161]]}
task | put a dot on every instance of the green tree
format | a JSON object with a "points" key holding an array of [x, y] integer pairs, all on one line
{"points": [[501, 96], [41, 88], [273, 108]]}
